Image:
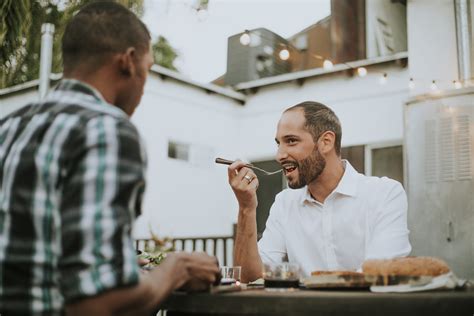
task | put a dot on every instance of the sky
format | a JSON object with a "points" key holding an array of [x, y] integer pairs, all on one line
{"points": [[201, 39]]}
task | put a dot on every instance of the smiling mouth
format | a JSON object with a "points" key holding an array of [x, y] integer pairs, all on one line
{"points": [[289, 168]]}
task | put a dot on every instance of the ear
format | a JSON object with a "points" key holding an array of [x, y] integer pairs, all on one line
{"points": [[126, 62], [326, 142]]}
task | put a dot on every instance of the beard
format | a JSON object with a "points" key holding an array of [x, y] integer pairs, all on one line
{"points": [[309, 169]]}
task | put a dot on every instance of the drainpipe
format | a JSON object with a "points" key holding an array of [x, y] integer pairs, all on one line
{"points": [[464, 40], [47, 32]]}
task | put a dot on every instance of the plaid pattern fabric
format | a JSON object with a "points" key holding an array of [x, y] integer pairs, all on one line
{"points": [[71, 177]]}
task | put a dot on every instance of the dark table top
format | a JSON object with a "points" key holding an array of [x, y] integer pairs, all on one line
{"points": [[322, 302]]}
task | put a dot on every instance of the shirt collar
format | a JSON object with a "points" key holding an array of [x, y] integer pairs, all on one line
{"points": [[86, 94], [346, 186], [80, 86]]}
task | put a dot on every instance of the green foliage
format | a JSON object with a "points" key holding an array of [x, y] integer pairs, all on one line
{"points": [[163, 54], [20, 34]]}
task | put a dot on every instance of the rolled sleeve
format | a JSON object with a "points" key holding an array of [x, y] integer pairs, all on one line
{"points": [[389, 236], [104, 177]]}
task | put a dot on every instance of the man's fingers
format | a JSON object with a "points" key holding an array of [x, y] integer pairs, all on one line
{"points": [[143, 262], [237, 170]]}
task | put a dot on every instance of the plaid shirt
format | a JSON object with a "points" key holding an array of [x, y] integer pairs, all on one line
{"points": [[71, 177]]}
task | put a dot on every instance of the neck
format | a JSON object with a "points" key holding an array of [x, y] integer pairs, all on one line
{"points": [[327, 180], [100, 81]]}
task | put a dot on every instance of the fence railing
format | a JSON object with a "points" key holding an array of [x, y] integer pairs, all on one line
{"points": [[218, 246]]}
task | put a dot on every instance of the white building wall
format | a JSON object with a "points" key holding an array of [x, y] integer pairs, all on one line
{"points": [[187, 198], [370, 113]]}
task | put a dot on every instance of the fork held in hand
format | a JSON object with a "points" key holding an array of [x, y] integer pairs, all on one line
{"points": [[229, 162]]}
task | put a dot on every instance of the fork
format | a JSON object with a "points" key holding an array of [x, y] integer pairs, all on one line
{"points": [[229, 162]]}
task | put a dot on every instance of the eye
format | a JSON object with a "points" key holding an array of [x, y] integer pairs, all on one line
{"points": [[291, 141]]}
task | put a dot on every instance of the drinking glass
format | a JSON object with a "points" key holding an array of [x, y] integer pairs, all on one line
{"points": [[281, 275], [230, 275]]}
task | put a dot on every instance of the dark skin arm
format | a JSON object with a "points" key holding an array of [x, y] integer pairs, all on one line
{"points": [[191, 272]]}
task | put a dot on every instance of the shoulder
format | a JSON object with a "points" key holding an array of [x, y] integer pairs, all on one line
{"points": [[380, 185], [94, 128]]}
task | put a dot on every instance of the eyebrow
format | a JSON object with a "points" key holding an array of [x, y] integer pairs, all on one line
{"points": [[286, 137]]}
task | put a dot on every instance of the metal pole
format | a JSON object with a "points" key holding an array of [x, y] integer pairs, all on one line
{"points": [[463, 32], [47, 32]]}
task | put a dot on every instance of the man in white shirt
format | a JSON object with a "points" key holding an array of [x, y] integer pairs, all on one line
{"points": [[331, 218]]}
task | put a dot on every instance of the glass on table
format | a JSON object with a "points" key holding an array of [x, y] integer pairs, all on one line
{"points": [[281, 275], [231, 275]]}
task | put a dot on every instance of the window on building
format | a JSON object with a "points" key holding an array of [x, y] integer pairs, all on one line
{"points": [[356, 157], [178, 150], [388, 162]]}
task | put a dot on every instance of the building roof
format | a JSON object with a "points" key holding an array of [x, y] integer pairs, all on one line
{"points": [[208, 87], [300, 76], [29, 85], [164, 73]]}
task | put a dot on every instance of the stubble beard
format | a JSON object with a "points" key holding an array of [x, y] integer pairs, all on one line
{"points": [[309, 169]]}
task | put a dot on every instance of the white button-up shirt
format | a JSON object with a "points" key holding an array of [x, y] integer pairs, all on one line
{"points": [[363, 218]]}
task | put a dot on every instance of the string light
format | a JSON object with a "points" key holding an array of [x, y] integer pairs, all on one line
{"points": [[284, 54], [361, 71], [249, 38], [327, 64]]}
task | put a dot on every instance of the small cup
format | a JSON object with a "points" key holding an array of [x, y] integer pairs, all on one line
{"points": [[230, 275], [281, 275]]}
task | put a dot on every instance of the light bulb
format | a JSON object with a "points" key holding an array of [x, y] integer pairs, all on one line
{"points": [[383, 79], [245, 39], [457, 84], [433, 86], [284, 54], [361, 71], [411, 84], [327, 64]]}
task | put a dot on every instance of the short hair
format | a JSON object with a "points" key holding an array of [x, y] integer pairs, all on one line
{"points": [[319, 119], [100, 29]]}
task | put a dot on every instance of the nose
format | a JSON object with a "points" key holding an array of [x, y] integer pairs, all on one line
{"points": [[281, 154]]}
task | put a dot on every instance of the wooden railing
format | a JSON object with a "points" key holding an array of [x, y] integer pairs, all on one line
{"points": [[218, 246]]}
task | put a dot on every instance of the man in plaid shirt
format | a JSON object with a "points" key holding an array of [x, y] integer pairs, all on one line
{"points": [[72, 171]]}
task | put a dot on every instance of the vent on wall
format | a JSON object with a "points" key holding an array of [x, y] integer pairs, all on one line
{"points": [[463, 148], [448, 149], [431, 160]]}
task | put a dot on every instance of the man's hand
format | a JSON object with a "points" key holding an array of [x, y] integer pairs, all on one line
{"points": [[244, 183], [191, 271], [142, 261]]}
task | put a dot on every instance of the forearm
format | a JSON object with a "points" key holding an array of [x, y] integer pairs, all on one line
{"points": [[246, 249], [140, 299]]}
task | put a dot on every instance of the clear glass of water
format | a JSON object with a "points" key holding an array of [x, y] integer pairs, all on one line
{"points": [[231, 275]]}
